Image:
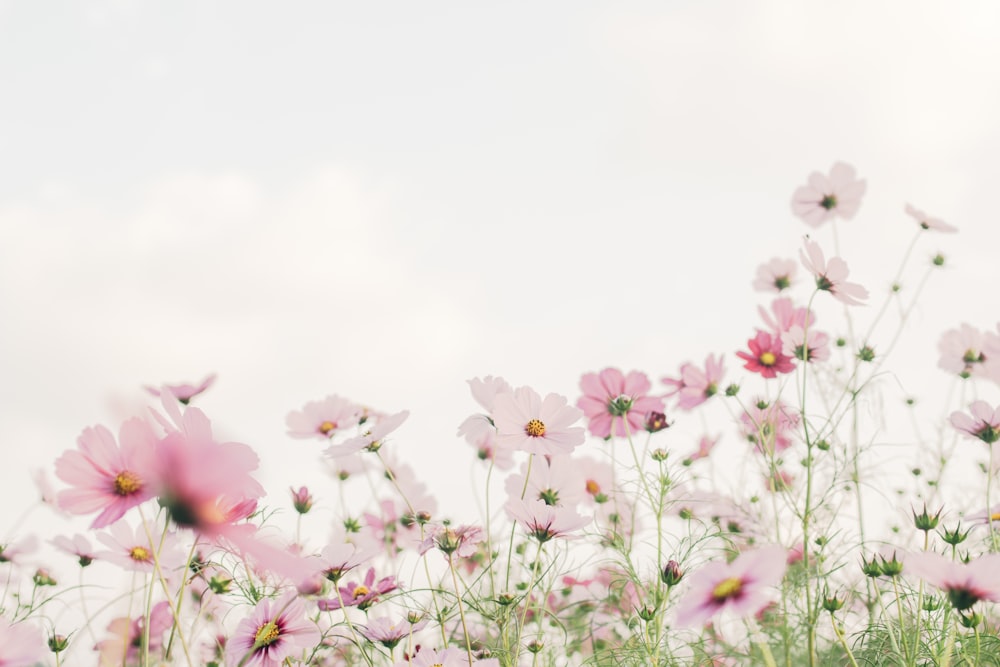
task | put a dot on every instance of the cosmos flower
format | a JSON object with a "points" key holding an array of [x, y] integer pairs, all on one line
{"points": [[831, 276], [984, 423], [276, 630], [766, 356], [371, 439], [927, 222], [545, 522], [485, 390], [388, 632], [805, 346], [21, 645], [362, 595], [963, 351], [964, 583], [695, 386], [125, 642], [526, 422], [554, 480], [449, 657], [775, 275], [827, 197], [616, 403], [323, 419], [184, 391]]}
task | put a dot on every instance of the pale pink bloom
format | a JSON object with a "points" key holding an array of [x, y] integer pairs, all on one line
{"points": [[485, 391], [765, 356], [927, 222], [323, 419], [617, 520], [388, 632], [964, 583], [362, 595], [276, 630], [775, 276], [78, 546], [784, 315], [544, 522], [740, 588], [394, 527], [695, 386], [597, 478], [131, 549], [105, 477], [410, 486], [616, 403], [963, 351], [449, 657], [126, 636], [771, 428], [344, 467], [184, 391], [371, 439], [831, 276], [462, 541], [526, 422], [346, 551], [705, 446], [45, 489], [805, 346], [554, 480], [984, 423], [826, 197], [487, 450], [21, 645], [14, 552]]}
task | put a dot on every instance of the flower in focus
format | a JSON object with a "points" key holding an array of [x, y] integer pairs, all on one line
{"points": [[775, 276], [805, 346], [766, 356], [184, 392], [323, 419], [104, 476], [21, 645], [984, 423], [826, 197], [371, 439], [542, 521], [526, 422], [927, 222], [962, 351], [696, 386], [741, 588], [276, 630], [616, 403], [964, 583], [831, 276]]}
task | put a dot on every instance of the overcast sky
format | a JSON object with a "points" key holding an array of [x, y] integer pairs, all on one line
{"points": [[382, 200]]}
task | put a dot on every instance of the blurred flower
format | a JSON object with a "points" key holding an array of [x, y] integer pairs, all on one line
{"points": [[831, 276], [964, 583], [127, 634], [775, 276], [984, 423], [370, 440], [805, 346], [183, 392], [826, 197], [927, 222], [696, 386], [962, 351], [526, 422], [323, 419]]}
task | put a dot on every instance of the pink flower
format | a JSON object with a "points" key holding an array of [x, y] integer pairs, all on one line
{"points": [[526, 422], [544, 522], [741, 588], [462, 541], [323, 419], [616, 402], [965, 583], [775, 276], [371, 439], [805, 346], [276, 630], [449, 657], [388, 632], [131, 549], [826, 197], [696, 386], [927, 222], [705, 446], [104, 477], [126, 636], [831, 276], [769, 426], [785, 316], [597, 478], [362, 595], [766, 356], [485, 390], [962, 351], [983, 424], [78, 546], [554, 480], [13, 552], [21, 645], [184, 392]]}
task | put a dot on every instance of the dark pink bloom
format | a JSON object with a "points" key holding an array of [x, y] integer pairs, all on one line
{"points": [[106, 477], [965, 583], [542, 521], [276, 630], [832, 276], [616, 403], [741, 588], [927, 222], [362, 595], [21, 645], [323, 419], [826, 197], [766, 356], [184, 392], [984, 423], [775, 276], [695, 386], [526, 422]]}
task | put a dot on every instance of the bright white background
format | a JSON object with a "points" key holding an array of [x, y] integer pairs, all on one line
{"points": [[382, 200]]}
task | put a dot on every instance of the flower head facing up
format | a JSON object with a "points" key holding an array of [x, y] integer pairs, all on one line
{"points": [[827, 197], [984, 423], [766, 356], [528, 423], [741, 588], [964, 583], [276, 630], [831, 276], [616, 404], [926, 222]]}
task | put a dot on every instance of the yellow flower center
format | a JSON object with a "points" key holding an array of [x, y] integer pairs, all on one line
{"points": [[535, 428], [267, 634], [768, 358], [593, 488], [326, 427], [127, 483], [727, 588], [139, 554], [361, 591]]}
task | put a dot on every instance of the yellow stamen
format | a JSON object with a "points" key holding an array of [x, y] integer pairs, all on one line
{"points": [[266, 634], [326, 427], [127, 483], [361, 591], [593, 488], [727, 588], [139, 554], [768, 358], [535, 428]]}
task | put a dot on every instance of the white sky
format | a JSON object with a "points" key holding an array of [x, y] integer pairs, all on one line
{"points": [[382, 200]]}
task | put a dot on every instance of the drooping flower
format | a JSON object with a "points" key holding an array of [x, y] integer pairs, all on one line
{"points": [[826, 197], [766, 356], [323, 419], [963, 351], [184, 391], [616, 403], [276, 630], [927, 222], [545, 522], [105, 477], [21, 645], [695, 386], [740, 588], [984, 423], [964, 583], [805, 346], [526, 422], [371, 439], [705, 446], [831, 276], [775, 276]]}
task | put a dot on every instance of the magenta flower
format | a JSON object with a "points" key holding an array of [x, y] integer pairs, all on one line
{"points": [[104, 476], [766, 356], [276, 630], [775, 276], [545, 522], [984, 423], [826, 197], [526, 422], [362, 595], [962, 351], [927, 222], [371, 439], [806, 346], [964, 583], [184, 392], [695, 386], [832, 276], [323, 419], [21, 645], [616, 403], [741, 588]]}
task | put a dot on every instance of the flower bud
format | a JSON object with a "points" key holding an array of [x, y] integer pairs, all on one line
{"points": [[671, 574], [302, 500]]}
